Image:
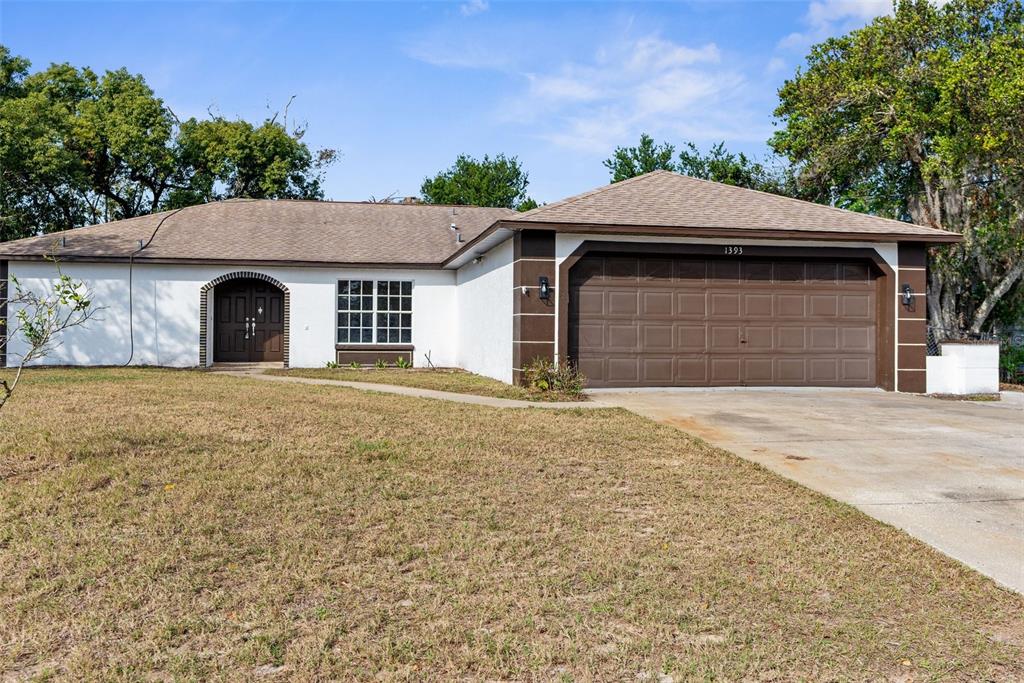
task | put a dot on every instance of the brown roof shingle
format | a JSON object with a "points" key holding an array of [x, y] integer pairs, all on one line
{"points": [[276, 231], [666, 199]]}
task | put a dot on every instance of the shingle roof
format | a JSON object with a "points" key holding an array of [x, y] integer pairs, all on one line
{"points": [[277, 230], [666, 199]]}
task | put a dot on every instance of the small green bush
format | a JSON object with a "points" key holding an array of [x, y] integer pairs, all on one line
{"points": [[332, 365], [1011, 363], [380, 364], [354, 365], [403, 363], [541, 374]]}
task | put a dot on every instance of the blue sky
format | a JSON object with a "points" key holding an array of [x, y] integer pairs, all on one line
{"points": [[402, 88]]}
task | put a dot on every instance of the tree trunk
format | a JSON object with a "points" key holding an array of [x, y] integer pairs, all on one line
{"points": [[995, 294]]}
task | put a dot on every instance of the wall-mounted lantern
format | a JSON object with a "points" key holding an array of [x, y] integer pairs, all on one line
{"points": [[545, 290], [908, 295]]}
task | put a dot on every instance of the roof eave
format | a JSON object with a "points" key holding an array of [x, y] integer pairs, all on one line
{"points": [[936, 237]]}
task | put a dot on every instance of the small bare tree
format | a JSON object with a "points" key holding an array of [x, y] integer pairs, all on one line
{"points": [[39, 319]]}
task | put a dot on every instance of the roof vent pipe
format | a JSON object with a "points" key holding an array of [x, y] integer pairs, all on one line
{"points": [[63, 241], [458, 237]]}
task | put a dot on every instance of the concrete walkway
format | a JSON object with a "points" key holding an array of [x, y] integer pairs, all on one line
{"points": [[256, 372], [950, 473]]}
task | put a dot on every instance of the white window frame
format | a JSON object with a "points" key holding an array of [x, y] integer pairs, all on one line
{"points": [[376, 329]]}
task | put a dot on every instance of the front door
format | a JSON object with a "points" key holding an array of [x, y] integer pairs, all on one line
{"points": [[249, 317]]}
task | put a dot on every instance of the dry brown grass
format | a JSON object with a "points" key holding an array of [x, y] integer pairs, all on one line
{"points": [[441, 379], [182, 525]]}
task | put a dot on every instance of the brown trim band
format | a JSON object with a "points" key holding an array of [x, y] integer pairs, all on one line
{"points": [[939, 237], [204, 293], [885, 301]]}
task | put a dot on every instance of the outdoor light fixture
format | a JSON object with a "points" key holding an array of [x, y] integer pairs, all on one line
{"points": [[908, 295], [545, 291]]}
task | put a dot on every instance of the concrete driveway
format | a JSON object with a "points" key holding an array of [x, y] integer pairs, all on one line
{"points": [[949, 473]]}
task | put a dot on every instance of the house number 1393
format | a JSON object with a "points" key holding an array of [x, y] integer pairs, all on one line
{"points": [[733, 251]]}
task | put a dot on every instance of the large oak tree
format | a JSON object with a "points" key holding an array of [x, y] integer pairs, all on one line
{"points": [[77, 147], [920, 116]]}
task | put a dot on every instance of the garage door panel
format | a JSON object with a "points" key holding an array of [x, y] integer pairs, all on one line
{"points": [[623, 370], [723, 321], [756, 272], [725, 272], [621, 303], [622, 338], [691, 304], [857, 306], [656, 269], [691, 371], [758, 305], [691, 338], [824, 305], [656, 304], [790, 305], [824, 339], [725, 338], [657, 337], [724, 304], [724, 370], [758, 339]]}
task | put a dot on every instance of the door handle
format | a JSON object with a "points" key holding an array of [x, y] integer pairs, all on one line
{"points": [[246, 328], [253, 328]]}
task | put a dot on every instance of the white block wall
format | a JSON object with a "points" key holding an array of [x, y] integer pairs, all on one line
{"points": [[484, 299], [166, 312], [964, 369]]}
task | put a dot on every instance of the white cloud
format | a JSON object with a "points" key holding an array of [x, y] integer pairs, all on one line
{"points": [[472, 7], [827, 18], [631, 86]]}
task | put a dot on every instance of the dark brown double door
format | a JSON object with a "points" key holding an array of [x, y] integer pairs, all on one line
{"points": [[249, 321], [701, 321]]}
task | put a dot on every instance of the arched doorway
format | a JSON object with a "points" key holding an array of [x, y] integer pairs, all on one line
{"points": [[249, 321]]}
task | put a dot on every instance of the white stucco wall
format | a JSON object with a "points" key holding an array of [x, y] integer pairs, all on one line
{"points": [[166, 312], [567, 243], [964, 369], [484, 298]]}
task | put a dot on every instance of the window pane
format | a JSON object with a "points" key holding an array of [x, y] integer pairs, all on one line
{"points": [[407, 288], [367, 320], [343, 335], [406, 320], [382, 303], [342, 286], [406, 303], [367, 336], [407, 336], [382, 320]]}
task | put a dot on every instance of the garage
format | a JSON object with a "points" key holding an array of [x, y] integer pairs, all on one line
{"points": [[724, 320]]}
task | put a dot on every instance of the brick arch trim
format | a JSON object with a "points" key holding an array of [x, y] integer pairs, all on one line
{"points": [[204, 295]]}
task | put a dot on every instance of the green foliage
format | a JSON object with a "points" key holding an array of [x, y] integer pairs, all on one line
{"points": [[629, 162], [403, 363], [37, 318], [380, 364], [717, 164], [499, 182], [77, 148], [354, 365], [1011, 363], [331, 365], [918, 116], [542, 375]]}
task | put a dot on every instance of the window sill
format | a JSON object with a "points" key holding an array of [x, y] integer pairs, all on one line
{"points": [[374, 347]]}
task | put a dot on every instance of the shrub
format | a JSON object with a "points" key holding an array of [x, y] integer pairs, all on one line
{"points": [[355, 365], [403, 363], [332, 365], [381, 364], [1011, 363], [541, 374]]}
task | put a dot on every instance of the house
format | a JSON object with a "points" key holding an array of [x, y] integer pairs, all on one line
{"points": [[660, 280]]}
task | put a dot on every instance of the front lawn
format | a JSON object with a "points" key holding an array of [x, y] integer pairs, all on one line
{"points": [[442, 379], [160, 525]]}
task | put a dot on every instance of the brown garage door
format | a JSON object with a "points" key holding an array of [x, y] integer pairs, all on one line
{"points": [[698, 321]]}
